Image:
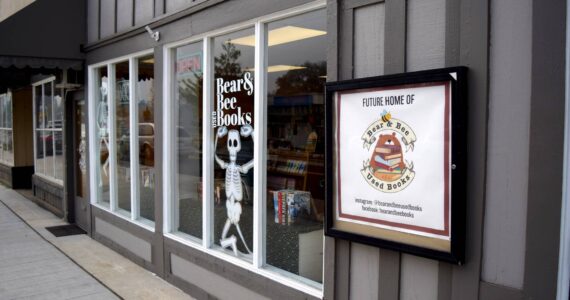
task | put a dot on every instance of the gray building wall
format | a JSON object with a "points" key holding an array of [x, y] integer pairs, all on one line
{"points": [[499, 41]]}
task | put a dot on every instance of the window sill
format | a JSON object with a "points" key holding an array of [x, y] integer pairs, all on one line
{"points": [[120, 213]]}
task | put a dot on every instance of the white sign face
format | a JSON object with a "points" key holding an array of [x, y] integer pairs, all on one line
{"points": [[393, 166]]}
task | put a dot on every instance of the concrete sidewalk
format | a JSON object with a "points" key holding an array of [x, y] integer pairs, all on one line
{"points": [[34, 264]]}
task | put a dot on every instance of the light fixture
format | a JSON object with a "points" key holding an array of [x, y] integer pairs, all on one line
{"points": [[279, 68], [280, 36], [155, 35]]}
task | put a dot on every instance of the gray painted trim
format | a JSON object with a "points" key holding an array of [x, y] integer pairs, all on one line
{"points": [[474, 47], [389, 278], [395, 37], [159, 8], [452, 28], [346, 35], [254, 282], [492, 291], [546, 136], [329, 253], [158, 238], [351, 4]]}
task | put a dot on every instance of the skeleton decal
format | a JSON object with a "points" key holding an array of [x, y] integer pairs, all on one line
{"points": [[234, 191], [102, 123]]}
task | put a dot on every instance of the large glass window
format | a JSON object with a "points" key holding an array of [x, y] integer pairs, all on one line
{"points": [[233, 144], [124, 162], [296, 74], [277, 229], [48, 117], [188, 149], [6, 138]]}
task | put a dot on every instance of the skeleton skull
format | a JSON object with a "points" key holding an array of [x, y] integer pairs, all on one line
{"points": [[234, 144]]}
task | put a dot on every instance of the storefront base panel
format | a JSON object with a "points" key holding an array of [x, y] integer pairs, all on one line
{"points": [[16, 177], [48, 195], [495, 291], [137, 246], [204, 276], [126, 238], [216, 285]]}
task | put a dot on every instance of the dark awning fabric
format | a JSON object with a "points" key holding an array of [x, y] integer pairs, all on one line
{"points": [[36, 63], [45, 34]]}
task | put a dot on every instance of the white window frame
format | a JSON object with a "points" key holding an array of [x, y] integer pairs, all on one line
{"points": [[4, 115], [207, 245], [134, 215], [44, 175]]}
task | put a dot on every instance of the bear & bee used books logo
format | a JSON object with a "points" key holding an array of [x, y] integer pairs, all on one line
{"points": [[389, 142]]}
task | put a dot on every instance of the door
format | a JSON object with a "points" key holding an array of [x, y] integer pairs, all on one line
{"points": [[77, 170]]}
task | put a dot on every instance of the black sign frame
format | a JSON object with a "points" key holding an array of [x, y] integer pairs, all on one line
{"points": [[457, 76]]}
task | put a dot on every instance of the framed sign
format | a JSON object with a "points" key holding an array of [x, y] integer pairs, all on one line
{"points": [[396, 162]]}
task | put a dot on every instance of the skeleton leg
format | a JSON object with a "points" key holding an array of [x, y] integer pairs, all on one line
{"points": [[242, 239], [231, 241]]}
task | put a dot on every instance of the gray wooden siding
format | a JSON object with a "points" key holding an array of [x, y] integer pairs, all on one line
{"points": [[124, 14], [507, 165], [417, 35], [144, 11], [108, 19], [92, 21]]}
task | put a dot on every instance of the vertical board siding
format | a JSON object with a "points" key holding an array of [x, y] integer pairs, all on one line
{"points": [[418, 278], [425, 44], [124, 14], [107, 18], [507, 165], [364, 264], [369, 40], [173, 5], [368, 58], [92, 21], [143, 11], [425, 49]]}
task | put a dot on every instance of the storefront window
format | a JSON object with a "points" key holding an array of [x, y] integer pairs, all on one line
{"points": [[123, 136], [233, 143], [147, 133], [48, 103], [188, 102], [283, 235], [102, 157], [6, 140], [296, 75], [126, 149]]}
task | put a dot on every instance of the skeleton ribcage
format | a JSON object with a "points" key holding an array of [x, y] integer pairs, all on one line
{"points": [[233, 182]]}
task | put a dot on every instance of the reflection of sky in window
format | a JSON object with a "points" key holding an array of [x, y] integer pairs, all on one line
{"points": [[297, 52]]}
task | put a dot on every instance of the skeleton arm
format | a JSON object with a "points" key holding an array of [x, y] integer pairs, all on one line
{"points": [[222, 131], [246, 131]]}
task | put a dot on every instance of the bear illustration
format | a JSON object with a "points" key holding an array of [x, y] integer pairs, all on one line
{"points": [[387, 156]]}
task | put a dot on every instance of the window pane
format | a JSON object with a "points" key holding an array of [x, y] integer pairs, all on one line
{"points": [[40, 163], [102, 132], [59, 163], [9, 155], [233, 176], [123, 174], [47, 135], [295, 144], [188, 99], [145, 105], [39, 107]]}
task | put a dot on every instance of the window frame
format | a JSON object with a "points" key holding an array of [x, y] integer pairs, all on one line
{"points": [[206, 244], [44, 175], [4, 115], [134, 215]]}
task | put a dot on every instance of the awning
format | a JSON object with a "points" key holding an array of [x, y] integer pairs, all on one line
{"points": [[36, 63]]}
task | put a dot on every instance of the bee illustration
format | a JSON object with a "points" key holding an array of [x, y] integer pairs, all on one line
{"points": [[386, 116]]}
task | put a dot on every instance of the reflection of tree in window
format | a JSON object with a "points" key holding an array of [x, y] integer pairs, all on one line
{"points": [[226, 64], [309, 79]]}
